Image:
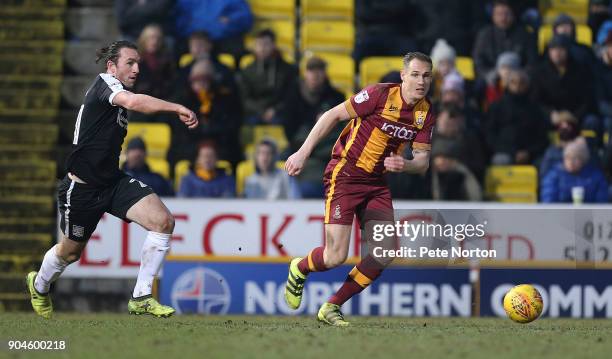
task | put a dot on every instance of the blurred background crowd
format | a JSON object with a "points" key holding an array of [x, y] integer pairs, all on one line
{"points": [[522, 92]]}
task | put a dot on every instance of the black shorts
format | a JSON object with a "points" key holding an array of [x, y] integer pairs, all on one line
{"points": [[82, 205]]}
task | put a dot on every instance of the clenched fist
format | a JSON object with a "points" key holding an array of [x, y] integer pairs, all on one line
{"points": [[295, 163], [394, 163]]}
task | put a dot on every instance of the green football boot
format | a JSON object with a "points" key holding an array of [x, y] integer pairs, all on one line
{"points": [[331, 314], [41, 303], [295, 285], [149, 305]]}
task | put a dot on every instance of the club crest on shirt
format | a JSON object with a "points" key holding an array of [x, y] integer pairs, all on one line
{"points": [[77, 231], [419, 118], [362, 96], [337, 214]]}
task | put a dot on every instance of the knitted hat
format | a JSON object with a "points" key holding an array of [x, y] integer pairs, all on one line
{"points": [[136, 143], [453, 82], [509, 59], [442, 51], [563, 19], [315, 63], [559, 41]]}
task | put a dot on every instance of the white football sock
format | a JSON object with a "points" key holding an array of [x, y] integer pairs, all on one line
{"points": [[50, 269], [154, 250]]}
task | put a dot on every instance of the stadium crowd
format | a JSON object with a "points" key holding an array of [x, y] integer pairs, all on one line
{"points": [[551, 108]]}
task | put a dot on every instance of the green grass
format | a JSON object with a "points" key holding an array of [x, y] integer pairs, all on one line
{"points": [[117, 336]]}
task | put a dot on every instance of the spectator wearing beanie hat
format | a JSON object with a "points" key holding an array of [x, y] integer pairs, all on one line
{"points": [[443, 57], [498, 80], [565, 25], [306, 100], [453, 93], [136, 166], [516, 129], [559, 83]]}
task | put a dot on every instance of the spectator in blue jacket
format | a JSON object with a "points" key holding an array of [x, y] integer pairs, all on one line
{"points": [[220, 19], [136, 166], [205, 179], [574, 171], [567, 130], [268, 181]]}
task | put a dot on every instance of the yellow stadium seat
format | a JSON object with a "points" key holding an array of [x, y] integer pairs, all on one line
{"points": [[588, 134], [372, 69], [249, 150], [246, 60], [340, 69], [226, 166], [285, 36], [228, 60], [328, 36], [155, 135], [512, 184], [273, 9], [185, 60], [247, 168], [225, 59], [329, 10], [465, 66], [544, 36], [553, 136], [275, 133], [578, 9], [584, 35], [243, 170], [159, 166], [181, 168]]}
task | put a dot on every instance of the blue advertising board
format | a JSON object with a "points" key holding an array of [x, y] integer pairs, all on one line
{"points": [[257, 288], [577, 293]]}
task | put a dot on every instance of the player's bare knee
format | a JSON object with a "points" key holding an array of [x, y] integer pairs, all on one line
{"points": [[164, 223], [72, 257], [67, 255]]}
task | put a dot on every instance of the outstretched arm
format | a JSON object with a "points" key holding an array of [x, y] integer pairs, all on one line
{"points": [[148, 105], [322, 128]]}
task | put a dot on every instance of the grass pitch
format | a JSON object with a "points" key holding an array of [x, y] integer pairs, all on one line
{"points": [[117, 336]]}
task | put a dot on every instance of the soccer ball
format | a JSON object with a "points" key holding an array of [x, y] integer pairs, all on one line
{"points": [[523, 303]]}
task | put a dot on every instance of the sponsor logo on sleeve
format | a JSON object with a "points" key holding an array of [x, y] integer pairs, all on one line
{"points": [[362, 97]]}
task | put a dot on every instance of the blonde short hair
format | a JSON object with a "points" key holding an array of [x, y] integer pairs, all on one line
{"points": [[578, 148]]}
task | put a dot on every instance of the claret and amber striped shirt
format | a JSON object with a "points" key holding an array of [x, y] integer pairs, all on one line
{"points": [[382, 123]]}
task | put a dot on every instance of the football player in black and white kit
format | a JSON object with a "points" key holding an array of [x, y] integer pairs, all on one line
{"points": [[95, 185]]}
